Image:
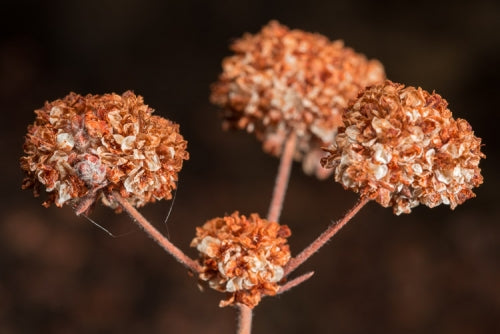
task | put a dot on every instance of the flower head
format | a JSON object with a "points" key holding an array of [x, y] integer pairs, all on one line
{"points": [[281, 81], [401, 146], [81, 147], [242, 256]]}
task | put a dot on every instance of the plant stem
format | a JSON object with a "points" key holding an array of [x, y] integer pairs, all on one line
{"points": [[282, 178], [244, 319], [324, 237], [296, 281], [156, 235]]}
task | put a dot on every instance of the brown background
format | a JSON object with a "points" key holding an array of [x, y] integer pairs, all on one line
{"points": [[434, 271]]}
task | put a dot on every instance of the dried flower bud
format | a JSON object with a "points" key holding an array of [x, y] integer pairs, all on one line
{"points": [[242, 256], [282, 80], [81, 147], [402, 147]]}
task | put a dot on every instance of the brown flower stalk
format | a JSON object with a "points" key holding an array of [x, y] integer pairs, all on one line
{"points": [[82, 147], [401, 147], [283, 81], [295, 262], [244, 319], [242, 256], [295, 282], [245, 312], [282, 179], [150, 230]]}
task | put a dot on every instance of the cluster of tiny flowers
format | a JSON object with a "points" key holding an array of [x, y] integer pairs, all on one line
{"points": [[401, 147], [82, 147], [242, 256], [281, 81]]}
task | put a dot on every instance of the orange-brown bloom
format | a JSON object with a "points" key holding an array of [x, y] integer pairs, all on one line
{"points": [[81, 147], [401, 146], [242, 256], [281, 81]]}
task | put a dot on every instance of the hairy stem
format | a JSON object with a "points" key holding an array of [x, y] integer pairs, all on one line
{"points": [[156, 235], [282, 178], [296, 281], [324, 237], [244, 319]]}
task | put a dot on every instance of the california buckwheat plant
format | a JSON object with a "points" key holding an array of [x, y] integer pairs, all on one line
{"points": [[306, 98]]}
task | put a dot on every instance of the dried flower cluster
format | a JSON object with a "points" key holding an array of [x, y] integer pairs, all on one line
{"points": [[401, 146], [282, 80], [82, 147], [242, 256]]}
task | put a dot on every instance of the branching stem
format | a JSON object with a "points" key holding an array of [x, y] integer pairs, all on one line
{"points": [[296, 281], [324, 237], [244, 319], [156, 235], [282, 178]]}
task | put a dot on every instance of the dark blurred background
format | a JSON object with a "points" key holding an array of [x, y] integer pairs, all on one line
{"points": [[434, 271]]}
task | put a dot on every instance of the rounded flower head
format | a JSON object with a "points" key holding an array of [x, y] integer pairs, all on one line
{"points": [[281, 81], [401, 146], [242, 256], [82, 147]]}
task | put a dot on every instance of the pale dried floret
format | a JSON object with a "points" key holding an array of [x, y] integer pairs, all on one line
{"points": [[81, 148], [401, 146], [242, 256], [281, 81]]}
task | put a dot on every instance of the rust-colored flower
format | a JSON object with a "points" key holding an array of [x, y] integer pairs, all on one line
{"points": [[401, 146], [281, 81], [242, 256], [82, 147]]}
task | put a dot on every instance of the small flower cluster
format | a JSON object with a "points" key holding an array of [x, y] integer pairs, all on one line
{"points": [[81, 147], [401, 147], [242, 256], [281, 81]]}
